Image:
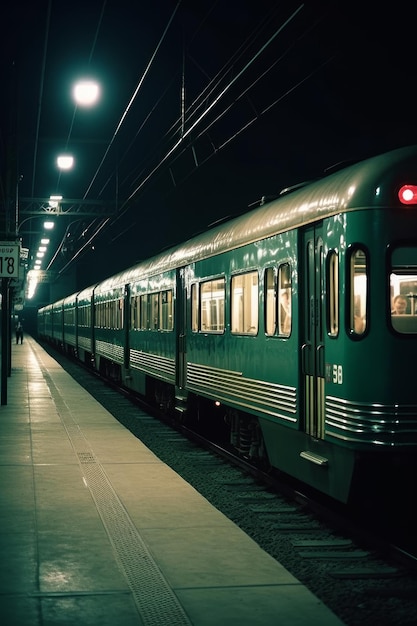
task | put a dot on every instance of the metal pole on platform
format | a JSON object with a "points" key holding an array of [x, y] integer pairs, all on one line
{"points": [[5, 338]]}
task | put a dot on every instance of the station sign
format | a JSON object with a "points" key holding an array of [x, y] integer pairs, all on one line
{"points": [[43, 276], [9, 259]]}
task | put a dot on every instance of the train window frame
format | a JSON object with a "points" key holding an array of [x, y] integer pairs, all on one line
{"points": [[153, 311], [244, 303], [212, 307], [84, 315], [270, 299], [144, 311], [358, 291], [99, 314], [135, 312], [195, 307], [284, 316], [403, 284], [69, 316], [333, 302], [120, 314], [166, 310]]}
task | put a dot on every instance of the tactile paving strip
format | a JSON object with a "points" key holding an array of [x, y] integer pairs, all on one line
{"points": [[156, 602]]}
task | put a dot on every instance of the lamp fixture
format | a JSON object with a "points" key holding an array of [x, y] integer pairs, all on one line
{"points": [[86, 93], [65, 161]]}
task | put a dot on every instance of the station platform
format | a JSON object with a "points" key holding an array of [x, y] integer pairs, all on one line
{"points": [[95, 529]]}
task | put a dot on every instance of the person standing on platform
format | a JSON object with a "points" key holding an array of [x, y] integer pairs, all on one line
{"points": [[19, 332]]}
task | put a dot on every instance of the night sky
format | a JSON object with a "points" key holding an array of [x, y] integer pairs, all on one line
{"points": [[274, 94]]}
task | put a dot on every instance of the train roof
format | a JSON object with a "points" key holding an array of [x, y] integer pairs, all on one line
{"points": [[86, 293], [364, 185]]}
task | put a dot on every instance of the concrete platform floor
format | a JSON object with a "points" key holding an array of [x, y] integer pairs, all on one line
{"points": [[96, 530]]}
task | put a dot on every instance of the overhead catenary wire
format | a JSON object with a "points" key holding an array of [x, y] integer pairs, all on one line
{"points": [[134, 95], [223, 90], [213, 104], [174, 151], [119, 125]]}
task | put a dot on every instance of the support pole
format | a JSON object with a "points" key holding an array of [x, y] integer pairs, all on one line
{"points": [[5, 338]]}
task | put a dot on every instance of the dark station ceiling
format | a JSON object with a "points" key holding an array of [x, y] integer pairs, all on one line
{"points": [[204, 108]]}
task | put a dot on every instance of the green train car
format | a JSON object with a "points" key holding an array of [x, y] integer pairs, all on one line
{"points": [[292, 329]]}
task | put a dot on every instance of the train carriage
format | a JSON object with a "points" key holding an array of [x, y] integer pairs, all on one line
{"points": [[84, 331], [69, 312], [56, 328], [241, 309], [44, 322], [152, 338], [109, 326], [286, 328]]}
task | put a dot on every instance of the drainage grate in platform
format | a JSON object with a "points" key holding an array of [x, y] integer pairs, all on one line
{"points": [[156, 602], [86, 457], [154, 598]]}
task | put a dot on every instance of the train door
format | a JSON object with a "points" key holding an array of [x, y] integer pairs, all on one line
{"points": [[312, 338], [180, 316], [127, 324]]}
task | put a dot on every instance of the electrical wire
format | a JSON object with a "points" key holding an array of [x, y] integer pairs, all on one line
{"points": [[214, 90]]}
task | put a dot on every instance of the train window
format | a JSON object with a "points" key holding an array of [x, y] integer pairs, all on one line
{"points": [[285, 296], [212, 294], [270, 301], [333, 293], [69, 316], [358, 292], [84, 318], [154, 311], [166, 310], [144, 312], [245, 303], [120, 314], [194, 307], [134, 312], [111, 314], [403, 290]]}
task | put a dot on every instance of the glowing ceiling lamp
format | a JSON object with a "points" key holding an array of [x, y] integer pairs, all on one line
{"points": [[65, 161], [86, 93]]}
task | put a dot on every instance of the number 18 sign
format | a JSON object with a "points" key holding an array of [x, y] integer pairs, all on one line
{"points": [[9, 259]]}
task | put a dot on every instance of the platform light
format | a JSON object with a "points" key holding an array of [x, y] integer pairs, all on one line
{"points": [[86, 93], [48, 225], [54, 201], [32, 281], [65, 161], [44, 241]]}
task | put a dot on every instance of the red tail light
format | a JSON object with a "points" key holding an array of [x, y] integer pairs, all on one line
{"points": [[408, 194]]}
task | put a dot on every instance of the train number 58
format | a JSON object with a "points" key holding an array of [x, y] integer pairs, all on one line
{"points": [[337, 377]]}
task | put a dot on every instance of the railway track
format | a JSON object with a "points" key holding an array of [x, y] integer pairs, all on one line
{"points": [[362, 577]]}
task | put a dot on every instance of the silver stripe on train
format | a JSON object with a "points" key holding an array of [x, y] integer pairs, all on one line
{"points": [[109, 350], [269, 398], [383, 424], [154, 364]]}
